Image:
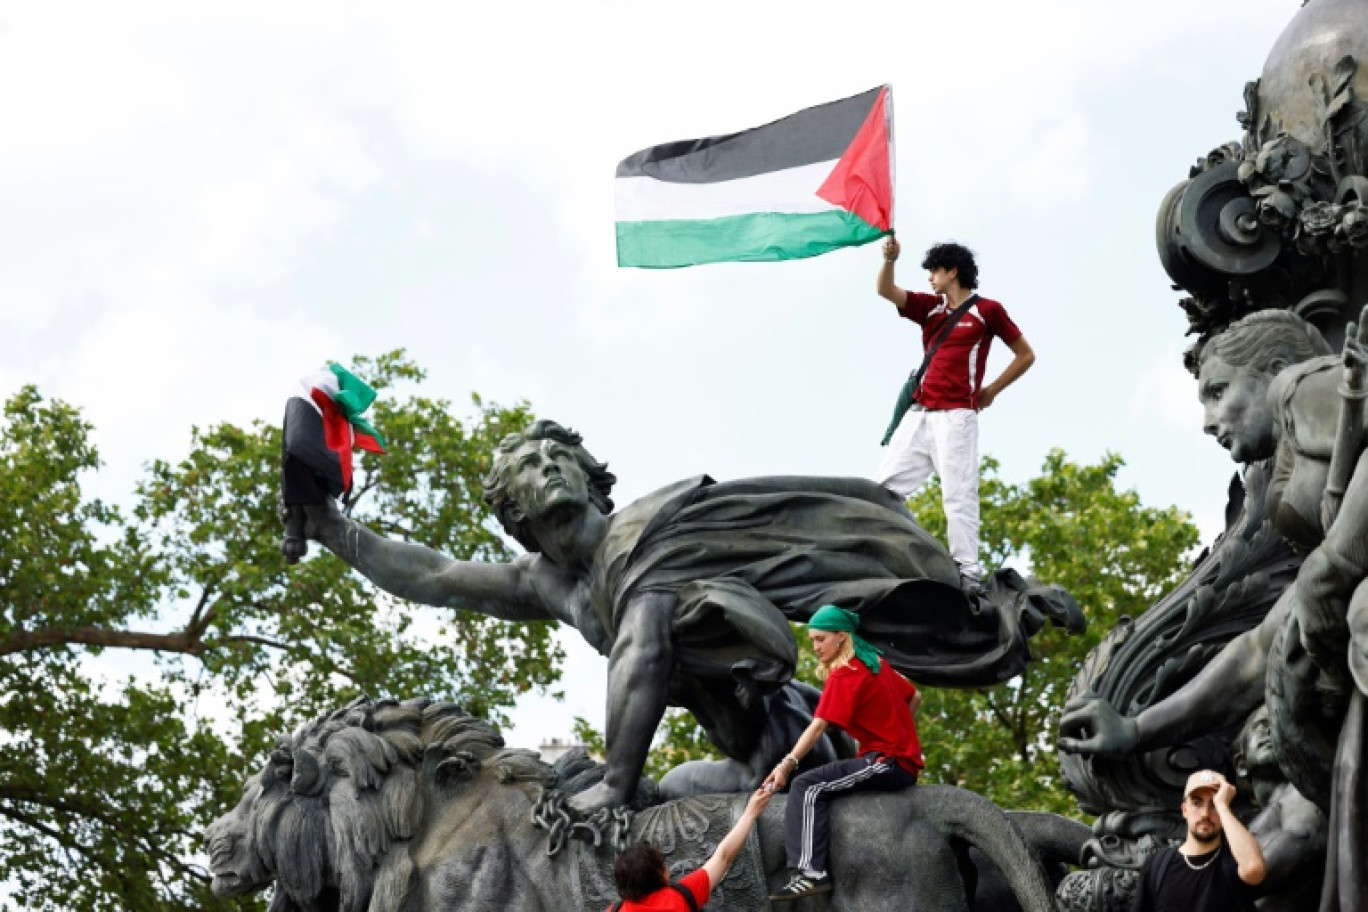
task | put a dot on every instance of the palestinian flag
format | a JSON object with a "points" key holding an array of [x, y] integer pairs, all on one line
{"points": [[801, 186], [323, 424]]}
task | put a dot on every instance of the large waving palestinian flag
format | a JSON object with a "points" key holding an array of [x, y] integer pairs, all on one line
{"points": [[801, 186]]}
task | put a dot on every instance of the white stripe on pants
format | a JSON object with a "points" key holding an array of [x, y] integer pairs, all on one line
{"points": [[945, 442], [807, 825]]}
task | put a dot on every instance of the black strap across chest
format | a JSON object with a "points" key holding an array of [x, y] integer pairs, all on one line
{"points": [[946, 328]]}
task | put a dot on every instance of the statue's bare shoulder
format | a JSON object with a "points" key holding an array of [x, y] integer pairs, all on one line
{"points": [[565, 597], [1306, 400]]}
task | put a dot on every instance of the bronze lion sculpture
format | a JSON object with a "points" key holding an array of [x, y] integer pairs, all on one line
{"points": [[385, 806]]}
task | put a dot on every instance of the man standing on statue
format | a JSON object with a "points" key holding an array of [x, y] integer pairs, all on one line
{"points": [[1215, 866], [935, 422]]}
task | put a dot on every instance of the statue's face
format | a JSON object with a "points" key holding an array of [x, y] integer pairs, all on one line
{"points": [[1258, 742], [234, 859], [1235, 409], [545, 477]]}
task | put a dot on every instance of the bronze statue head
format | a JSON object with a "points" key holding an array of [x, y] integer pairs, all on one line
{"points": [[1234, 369], [1263, 343], [1251, 751], [563, 455]]}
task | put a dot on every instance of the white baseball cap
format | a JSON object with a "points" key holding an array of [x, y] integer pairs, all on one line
{"points": [[1202, 779]]}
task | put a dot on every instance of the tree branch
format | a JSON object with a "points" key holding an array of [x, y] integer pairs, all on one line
{"points": [[248, 638], [198, 618], [1002, 718], [185, 641], [189, 641], [61, 837], [87, 811], [369, 485]]}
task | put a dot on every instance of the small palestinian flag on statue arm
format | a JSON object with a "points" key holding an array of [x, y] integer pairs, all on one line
{"points": [[804, 185], [323, 424]]}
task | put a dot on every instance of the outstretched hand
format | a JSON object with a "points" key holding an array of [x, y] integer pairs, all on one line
{"points": [[303, 523], [1090, 725], [758, 800], [891, 248], [315, 516], [318, 517]]}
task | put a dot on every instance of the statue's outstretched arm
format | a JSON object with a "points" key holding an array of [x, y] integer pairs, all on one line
{"points": [[1227, 690], [419, 574]]}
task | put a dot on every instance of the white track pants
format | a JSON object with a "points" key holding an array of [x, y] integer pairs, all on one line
{"points": [[945, 442]]}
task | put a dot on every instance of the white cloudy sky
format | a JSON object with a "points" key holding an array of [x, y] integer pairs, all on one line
{"points": [[200, 201]]}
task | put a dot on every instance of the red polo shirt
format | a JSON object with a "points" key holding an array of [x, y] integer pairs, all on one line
{"points": [[955, 375], [872, 709]]}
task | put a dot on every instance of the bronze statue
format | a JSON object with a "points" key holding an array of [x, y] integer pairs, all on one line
{"points": [[1290, 829], [1267, 236], [689, 592], [418, 807], [1267, 393]]}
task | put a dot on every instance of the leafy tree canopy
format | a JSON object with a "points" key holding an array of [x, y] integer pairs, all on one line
{"points": [[150, 652]]}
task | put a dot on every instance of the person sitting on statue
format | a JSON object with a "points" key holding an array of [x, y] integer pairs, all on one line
{"points": [[643, 881], [689, 592], [875, 705], [1215, 866]]}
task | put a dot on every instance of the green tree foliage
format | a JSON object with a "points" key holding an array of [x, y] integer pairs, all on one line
{"points": [[149, 654], [1070, 526]]}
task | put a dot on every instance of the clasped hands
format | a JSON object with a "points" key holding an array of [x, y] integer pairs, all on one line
{"points": [[778, 778]]}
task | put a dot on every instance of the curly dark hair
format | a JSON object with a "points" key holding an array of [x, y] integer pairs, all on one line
{"points": [[954, 256], [601, 480], [639, 871]]}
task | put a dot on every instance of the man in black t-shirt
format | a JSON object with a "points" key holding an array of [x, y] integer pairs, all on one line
{"points": [[1215, 866]]}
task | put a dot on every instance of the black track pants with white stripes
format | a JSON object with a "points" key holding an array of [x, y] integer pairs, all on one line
{"points": [[806, 818]]}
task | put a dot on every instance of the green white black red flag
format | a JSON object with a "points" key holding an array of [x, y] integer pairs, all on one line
{"points": [[323, 424], [804, 185]]}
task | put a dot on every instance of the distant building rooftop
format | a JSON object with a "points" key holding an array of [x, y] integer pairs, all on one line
{"points": [[553, 749]]}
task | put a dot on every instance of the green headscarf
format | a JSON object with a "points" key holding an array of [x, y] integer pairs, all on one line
{"points": [[838, 620]]}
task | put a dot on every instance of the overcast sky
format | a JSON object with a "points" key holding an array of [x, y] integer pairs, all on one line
{"points": [[200, 202]]}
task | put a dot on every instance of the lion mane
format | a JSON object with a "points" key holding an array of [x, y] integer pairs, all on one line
{"points": [[330, 816]]}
